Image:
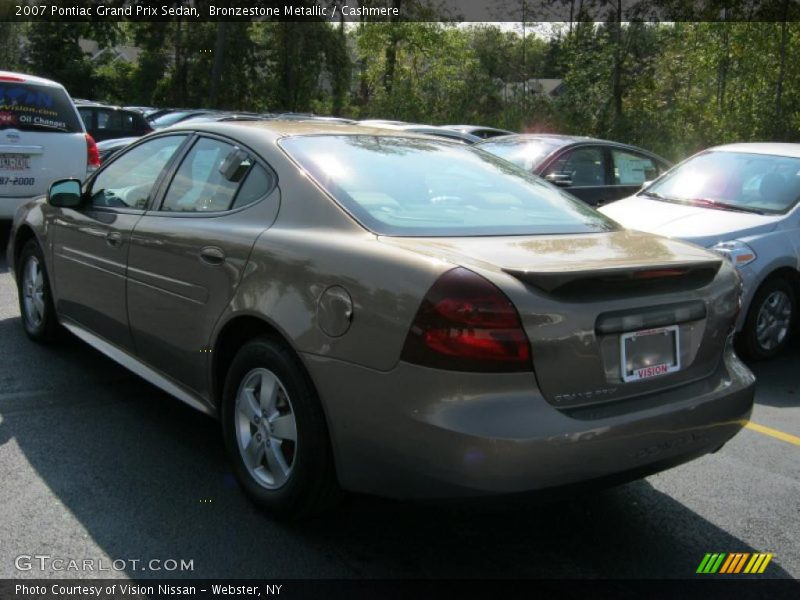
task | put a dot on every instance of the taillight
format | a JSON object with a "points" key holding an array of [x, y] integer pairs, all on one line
{"points": [[11, 78], [465, 323], [92, 155]]}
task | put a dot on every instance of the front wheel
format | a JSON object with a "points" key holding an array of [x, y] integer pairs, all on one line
{"points": [[769, 320], [275, 432], [35, 298]]}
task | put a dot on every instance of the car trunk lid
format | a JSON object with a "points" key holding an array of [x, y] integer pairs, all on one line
{"points": [[580, 297]]}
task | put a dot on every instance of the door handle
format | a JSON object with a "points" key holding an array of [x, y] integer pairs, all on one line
{"points": [[114, 238], [212, 255]]}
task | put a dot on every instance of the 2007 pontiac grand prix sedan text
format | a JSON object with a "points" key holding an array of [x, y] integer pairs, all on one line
{"points": [[387, 313]]}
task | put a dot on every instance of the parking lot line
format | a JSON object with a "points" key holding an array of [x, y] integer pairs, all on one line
{"points": [[786, 437]]}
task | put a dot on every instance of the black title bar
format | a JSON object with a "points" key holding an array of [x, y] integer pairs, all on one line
{"points": [[354, 11]]}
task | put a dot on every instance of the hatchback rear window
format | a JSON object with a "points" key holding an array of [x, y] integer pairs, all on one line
{"points": [[31, 107], [411, 186]]}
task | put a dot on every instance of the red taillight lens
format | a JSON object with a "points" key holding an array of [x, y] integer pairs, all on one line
{"points": [[465, 323], [92, 155], [11, 78]]}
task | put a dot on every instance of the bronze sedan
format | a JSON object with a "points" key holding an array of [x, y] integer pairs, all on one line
{"points": [[385, 312]]}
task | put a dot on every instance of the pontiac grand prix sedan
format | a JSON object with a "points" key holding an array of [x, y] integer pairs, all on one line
{"points": [[385, 312]]}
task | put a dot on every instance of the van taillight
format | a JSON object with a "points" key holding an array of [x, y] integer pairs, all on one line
{"points": [[465, 323], [92, 155]]}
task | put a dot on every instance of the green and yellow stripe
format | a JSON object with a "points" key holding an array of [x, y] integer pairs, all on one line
{"points": [[734, 562]]}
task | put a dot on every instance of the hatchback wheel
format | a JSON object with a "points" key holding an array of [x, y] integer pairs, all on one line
{"points": [[35, 299], [769, 320], [275, 432]]}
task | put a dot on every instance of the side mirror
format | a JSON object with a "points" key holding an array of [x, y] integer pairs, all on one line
{"points": [[65, 193], [645, 184], [559, 179]]}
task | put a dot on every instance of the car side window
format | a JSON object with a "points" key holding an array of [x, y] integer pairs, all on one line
{"points": [[209, 177], [86, 117], [256, 185], [633, 169], [128, 181], [104, 119], [584, 166]]}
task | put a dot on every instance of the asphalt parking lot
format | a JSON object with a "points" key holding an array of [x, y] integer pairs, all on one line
{"points": [[98, 464]]}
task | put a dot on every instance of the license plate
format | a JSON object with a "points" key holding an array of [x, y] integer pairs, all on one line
{"points": [[649, 353], [15, 162]]}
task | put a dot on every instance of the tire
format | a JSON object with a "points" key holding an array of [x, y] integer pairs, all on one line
{"points": [[770, 320], [289, 478], [36, 306]]}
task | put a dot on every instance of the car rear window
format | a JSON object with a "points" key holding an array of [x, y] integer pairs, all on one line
{"points": [[409, 186], [32, 107]]}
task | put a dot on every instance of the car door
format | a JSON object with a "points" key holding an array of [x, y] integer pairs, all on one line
{"points": [[188, 254], [629, 170], [91, 243], [580, 170]]}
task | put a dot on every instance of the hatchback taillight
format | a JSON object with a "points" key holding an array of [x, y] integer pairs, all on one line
{"points": [[465, 323], [92, 155]]}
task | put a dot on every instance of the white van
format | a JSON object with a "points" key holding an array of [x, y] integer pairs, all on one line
{"points": [[42, 138]]}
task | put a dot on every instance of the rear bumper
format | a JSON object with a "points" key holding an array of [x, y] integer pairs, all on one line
{"points": [[9, 205], [422, 433]]}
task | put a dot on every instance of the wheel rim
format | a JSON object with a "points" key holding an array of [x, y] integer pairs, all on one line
{"points": [[266, 431], [774, 317], [33, 292]]}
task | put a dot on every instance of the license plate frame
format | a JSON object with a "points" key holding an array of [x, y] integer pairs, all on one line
{"points": [[22, 162], [663, 365]]}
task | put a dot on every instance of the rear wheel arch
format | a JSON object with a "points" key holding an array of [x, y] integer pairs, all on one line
{"points": [[234, 334]]}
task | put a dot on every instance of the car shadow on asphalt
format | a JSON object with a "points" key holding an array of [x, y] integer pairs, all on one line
{"points": [[777, 382], [147, 478]]}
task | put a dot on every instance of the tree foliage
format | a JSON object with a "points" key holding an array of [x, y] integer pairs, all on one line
{"points": [[671, 87]]}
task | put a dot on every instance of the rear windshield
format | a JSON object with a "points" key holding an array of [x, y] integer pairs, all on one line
{"points": [[417, 187], [32, 107], [524, 153]]}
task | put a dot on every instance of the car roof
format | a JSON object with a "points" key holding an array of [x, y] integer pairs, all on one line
{"points": [[470, 128], [553, 138], [92, 104], [774, 148], [566, 140], [274, 129], [31, 79]]}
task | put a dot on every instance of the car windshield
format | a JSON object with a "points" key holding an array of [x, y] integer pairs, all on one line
{"points": [[31, 107], [410, 186], [745, 181], [524, 153]]}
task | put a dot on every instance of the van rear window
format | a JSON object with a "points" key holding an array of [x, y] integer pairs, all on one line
{"points": [[32, 107]]}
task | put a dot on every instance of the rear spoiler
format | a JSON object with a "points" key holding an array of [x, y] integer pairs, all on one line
{"points": [[680, 275]]}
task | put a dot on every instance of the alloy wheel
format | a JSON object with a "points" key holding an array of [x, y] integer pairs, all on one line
{"points": [[33, 292], [774, 318], [266, 430]]}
